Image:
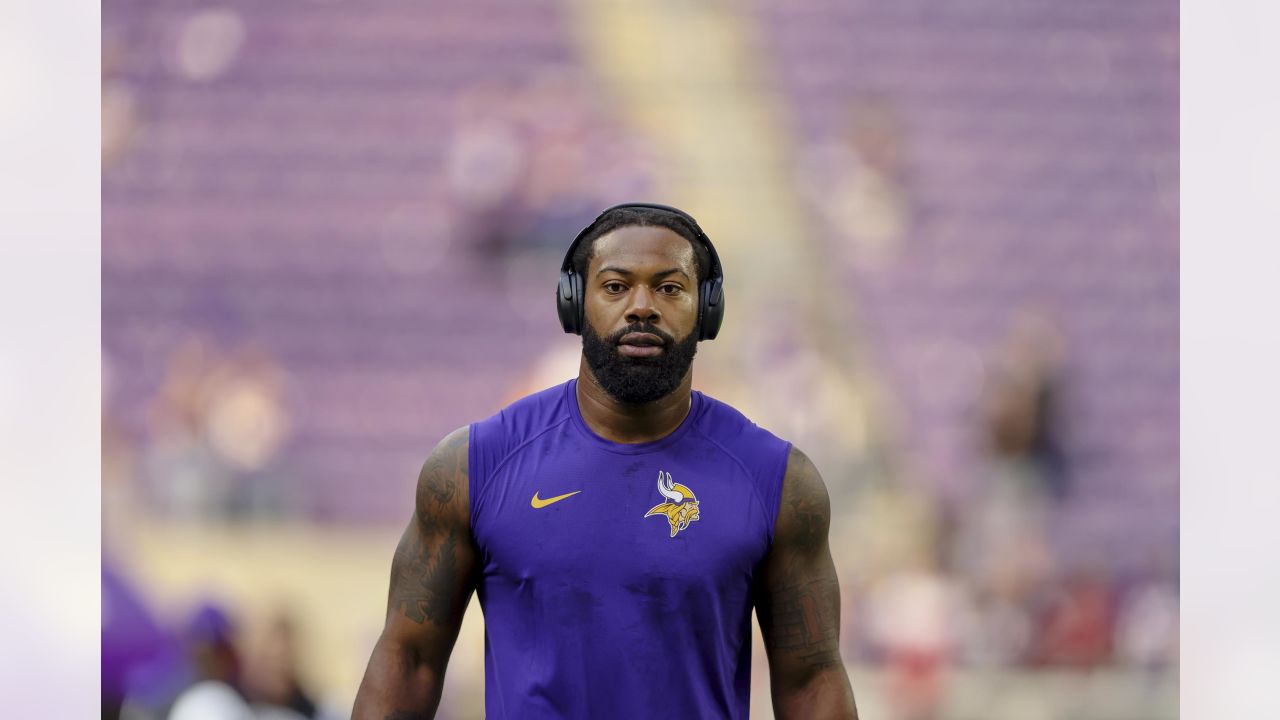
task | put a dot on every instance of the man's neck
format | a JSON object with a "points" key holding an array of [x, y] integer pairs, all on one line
{"points": [[624, 423]]}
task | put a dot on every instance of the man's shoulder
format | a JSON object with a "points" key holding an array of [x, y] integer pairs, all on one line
{"points": [[722, 418], [523, 418], [548, 404], [733, 431]]}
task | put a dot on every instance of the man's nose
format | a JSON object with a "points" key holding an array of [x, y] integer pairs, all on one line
{"points": [[642, 309]]}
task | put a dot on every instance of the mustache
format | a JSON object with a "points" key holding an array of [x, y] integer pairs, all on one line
{"points": [[667, 339]]}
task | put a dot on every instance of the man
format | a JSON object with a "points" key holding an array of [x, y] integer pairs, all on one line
{"points": [[608, 594]]}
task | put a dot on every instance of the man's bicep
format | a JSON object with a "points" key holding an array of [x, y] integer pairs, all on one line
{"points": [[798, 596], [432, 576], [433, 571]]}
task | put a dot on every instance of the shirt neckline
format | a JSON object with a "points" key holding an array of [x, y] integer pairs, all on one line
{"points": [[571, 398]]}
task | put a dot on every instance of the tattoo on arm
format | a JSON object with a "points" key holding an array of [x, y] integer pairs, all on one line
{"points": [[798, 603], [800, 597], [426, 571], [802, 626], [444, 469], [433, 575], [422, 587], [808, 505]]}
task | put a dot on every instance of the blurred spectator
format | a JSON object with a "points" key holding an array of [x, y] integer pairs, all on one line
{"points": [[558, 198], [119, 102], [211, 700], [200, 673], [998, 628], [184, 476], [1078, 625], [912, 618], [120, 501], [246, 426], [209, 641], [1001, 544], [1021, 414], [218, 423], [530, 163], [273, 679], [1002, 549], [485, 161], [856, 181], [1147, 620], [142, 664]]}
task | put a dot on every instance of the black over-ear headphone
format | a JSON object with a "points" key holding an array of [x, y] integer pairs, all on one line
{"points": [[571, 300]]}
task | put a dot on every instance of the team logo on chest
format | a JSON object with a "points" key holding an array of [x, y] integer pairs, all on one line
{"points": [[681, 507]]}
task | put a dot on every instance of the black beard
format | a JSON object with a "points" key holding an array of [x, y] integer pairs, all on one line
{"points": [[635, 381]]}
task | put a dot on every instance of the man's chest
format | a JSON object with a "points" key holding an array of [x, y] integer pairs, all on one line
{"points": [[620, 517]]}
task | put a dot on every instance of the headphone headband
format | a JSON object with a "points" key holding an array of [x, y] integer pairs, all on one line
{"points": [[715, 271]]}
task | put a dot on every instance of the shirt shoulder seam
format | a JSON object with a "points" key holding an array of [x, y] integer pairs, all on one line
{"points": [[755, 489], [524, 444]]}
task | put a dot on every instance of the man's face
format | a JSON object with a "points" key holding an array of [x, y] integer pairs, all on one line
{"points": [[641, 312]]}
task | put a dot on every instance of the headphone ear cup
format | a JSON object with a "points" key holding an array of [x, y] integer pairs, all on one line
{"points": [[569, 302], [710, 308], [579, 303]]}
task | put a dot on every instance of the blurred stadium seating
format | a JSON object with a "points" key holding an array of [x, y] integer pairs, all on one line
{"points": [[316, 205], [1027, 155], [330, 232]]}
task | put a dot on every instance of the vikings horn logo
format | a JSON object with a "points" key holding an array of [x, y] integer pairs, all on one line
{"points": [[682, 508]]}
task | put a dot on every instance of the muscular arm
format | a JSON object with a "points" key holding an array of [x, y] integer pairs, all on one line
{"points": [[432, 577], [798, 604]]}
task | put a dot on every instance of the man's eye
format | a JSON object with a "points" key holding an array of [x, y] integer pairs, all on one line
{"points": [[670, 289], [614, 287]]}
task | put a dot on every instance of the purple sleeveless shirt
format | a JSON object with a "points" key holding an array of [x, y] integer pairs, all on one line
{"points": [[616, 578]]}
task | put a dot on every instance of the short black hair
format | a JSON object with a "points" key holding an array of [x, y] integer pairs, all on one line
{"points": [[643, 217]]}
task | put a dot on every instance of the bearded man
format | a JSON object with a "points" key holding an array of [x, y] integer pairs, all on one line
{"points": [[607, 594]]}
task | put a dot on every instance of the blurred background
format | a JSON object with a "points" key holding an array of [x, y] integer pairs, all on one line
{"points": [[331, 233]]}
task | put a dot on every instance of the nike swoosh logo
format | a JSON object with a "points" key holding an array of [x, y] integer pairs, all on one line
{"points": [[538, 502]]}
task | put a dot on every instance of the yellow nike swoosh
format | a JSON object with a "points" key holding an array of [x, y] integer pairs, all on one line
{"points": [[538, 502]]}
